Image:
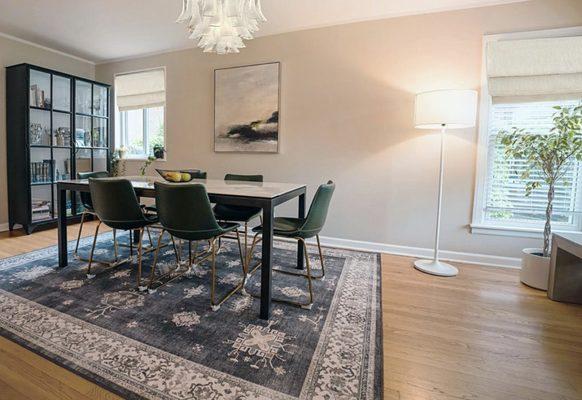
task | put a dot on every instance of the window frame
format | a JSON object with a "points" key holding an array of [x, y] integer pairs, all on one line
{"points": [[119, 120], [478, 224]]}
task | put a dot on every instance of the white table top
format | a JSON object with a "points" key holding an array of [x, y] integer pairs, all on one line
{"points": [[266, 190]]}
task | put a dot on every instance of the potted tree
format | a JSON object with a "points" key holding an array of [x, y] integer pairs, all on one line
{"points": [[548, 157]]}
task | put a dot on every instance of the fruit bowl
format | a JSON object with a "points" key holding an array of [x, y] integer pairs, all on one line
{"points": [[177, 175]]}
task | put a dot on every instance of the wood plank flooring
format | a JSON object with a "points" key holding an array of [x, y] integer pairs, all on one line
{"points": [[481, 335]]}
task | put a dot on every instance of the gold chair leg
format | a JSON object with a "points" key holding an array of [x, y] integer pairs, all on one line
{"points": [[214, 306], [75, 254], [155, 263], [139, 260], [213, 303], [89, 275], [256, 240], [322, 276], [307, 276], [308, 265]]}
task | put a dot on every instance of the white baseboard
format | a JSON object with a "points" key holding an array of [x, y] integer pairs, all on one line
{"points": [[469, 258]]}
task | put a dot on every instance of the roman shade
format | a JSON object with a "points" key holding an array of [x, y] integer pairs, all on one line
{"points": [[145, 89], [535, 67]]}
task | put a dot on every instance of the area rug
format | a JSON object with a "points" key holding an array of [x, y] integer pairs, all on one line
{"points": [[171, 345]]}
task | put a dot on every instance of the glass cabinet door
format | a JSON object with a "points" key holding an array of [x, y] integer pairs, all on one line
{"points": [[40, 89], [41, 165], [99, 132], [61, 129], [99, 100], [83, 131], [41, 200], [83, 97], [62, 164], [100, 160], [39, 128], [83, 160], [61, 93]]}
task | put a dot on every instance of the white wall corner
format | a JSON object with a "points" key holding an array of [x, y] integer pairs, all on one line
{"points": [[4, 227]]}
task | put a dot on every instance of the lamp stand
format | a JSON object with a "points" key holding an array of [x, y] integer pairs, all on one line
{"points": [[434, 266]]}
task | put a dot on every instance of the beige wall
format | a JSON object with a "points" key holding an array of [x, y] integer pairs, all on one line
{"points": [[14, 52], [347, 109]]}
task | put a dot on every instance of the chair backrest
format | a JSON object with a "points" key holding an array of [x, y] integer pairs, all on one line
{"points": [[185, 208], [85, 196], [114, 200], [317, 214], [245, 178]]}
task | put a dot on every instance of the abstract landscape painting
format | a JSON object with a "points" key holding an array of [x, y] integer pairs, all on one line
{"points": [[246, 109]]}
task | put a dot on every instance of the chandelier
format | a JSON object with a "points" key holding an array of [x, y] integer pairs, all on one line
{"points": [[221, 25]]}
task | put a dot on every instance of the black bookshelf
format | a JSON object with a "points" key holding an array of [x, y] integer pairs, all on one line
{"points": [[57, 125]]}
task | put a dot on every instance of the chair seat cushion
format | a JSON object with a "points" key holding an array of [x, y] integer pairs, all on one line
{"points": [[127, 225], [284, 226], [225, 227], [225, 212]]}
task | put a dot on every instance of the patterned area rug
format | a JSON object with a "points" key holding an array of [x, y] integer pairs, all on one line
{"points": [[171, 345]]}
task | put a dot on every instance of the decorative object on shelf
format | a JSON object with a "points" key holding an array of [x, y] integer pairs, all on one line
{"points": [[62, 137], [547, 156], [220, 26], [443, 109], [246, 108], [39, 135], [38, 97], [40, 171]]}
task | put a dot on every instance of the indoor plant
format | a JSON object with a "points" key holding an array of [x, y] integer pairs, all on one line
{"points": [[548, 157]]}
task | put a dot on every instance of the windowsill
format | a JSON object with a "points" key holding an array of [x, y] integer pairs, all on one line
{"points": [[142, 159], [496, 230]]}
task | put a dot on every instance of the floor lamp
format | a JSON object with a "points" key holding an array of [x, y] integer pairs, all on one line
{"points": [[443, 109]]}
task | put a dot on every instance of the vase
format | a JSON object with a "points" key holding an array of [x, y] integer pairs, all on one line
{"points": [[535, 269]]}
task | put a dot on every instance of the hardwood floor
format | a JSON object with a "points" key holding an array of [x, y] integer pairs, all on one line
{"points": [[481, 335]]}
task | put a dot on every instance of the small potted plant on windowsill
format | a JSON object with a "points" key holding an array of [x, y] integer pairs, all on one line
{"points": [[548, 157]]}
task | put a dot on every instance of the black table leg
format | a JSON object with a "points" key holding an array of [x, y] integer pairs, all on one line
{"points": [[267, 258], [300, 214], [62, 227]]}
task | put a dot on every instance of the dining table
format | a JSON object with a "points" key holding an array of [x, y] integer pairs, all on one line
{"points": [[263, 195]]}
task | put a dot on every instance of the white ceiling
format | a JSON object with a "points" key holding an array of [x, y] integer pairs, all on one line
{"points": [[110, 29]]}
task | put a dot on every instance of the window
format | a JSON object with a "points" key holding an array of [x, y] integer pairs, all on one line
{"points": [[515, 94], [140, 99]]}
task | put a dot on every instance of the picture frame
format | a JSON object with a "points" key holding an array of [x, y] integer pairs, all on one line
{"points": [[247, 104]]}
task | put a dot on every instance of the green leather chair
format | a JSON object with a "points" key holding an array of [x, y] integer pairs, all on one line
{"points": [[195, 174], [116, 205], [242, 214], [302, 229], [185, 212], [87, 204]]}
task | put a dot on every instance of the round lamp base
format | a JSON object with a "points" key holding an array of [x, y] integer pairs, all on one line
{"points": [[435, 268]]}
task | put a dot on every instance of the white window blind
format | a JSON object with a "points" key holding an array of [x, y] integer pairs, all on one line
{"points": [[139, 90], [506, 203], [534, 67]]}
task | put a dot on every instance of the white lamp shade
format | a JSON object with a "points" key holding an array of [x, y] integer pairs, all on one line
{"points": [[453, 109]]}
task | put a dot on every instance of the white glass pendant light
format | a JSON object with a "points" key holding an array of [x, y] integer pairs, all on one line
{"points": [[220, 26]]}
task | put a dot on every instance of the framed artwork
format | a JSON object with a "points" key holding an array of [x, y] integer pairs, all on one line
{"points": [[246, 108]]}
